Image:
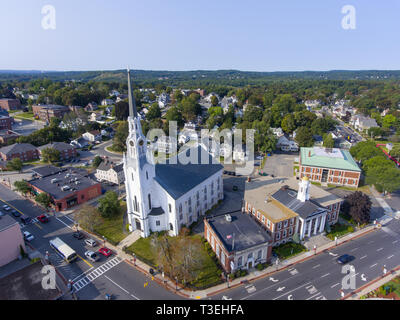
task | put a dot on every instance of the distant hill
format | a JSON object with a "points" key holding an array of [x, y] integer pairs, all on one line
{"points": [[198, 76]]}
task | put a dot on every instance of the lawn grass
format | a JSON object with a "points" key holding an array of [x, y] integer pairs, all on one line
{"points": [[25, 115], [112, 228], [339, 230], [289, 249], [294, 169], [210, 271]]}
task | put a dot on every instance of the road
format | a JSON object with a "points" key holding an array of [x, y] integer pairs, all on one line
{"points": [[320, 278], [91, 279]]}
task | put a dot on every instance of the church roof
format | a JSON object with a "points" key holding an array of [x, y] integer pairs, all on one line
{"points": [[178, 179]]}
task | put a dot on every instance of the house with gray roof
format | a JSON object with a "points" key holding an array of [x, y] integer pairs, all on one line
{"points": [[238, 241], [23, 151], [110, 171], [66, 150]]}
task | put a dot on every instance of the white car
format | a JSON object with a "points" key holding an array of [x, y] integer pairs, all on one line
{"points": [[92, 256], [28, 236], [6, 207], [91, 242]]}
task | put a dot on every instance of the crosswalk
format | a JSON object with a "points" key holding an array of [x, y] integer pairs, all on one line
{"points": [[87, 279]]}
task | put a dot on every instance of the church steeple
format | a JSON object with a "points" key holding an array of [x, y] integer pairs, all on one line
{"points": [[132, 103]]}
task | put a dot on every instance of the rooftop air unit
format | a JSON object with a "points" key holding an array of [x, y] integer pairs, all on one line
{"points": [[228, 218]]}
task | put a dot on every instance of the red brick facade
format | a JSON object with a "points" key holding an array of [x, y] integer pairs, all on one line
{"points": [[335, 176], [10, 104]]}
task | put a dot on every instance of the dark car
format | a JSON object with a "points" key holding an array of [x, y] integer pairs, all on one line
{"points": [[78, 235], [343, 259], [26, 220], [15, 213]]}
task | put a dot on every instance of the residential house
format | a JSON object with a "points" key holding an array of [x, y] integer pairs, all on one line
{"points": [[79, 143], [8, 136], [362, 123], [46, 112], [163, 100], [111, 172], [94, 117], [107, 102], [92, 136], [285, 144], [92, 106]]}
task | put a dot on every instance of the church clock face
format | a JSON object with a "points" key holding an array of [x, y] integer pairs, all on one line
{"points": [[131, 143], [141, 143]]}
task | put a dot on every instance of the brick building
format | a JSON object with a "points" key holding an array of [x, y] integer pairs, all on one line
{"points": [[285, 207], [6, 122], [66, 150], [329, 166], [10, 104], [237, 240], [67, 187], [46, 112], [8, 136], [24, 151]]}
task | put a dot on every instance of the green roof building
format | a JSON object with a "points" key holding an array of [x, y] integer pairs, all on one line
{"points": [[329, 166]]}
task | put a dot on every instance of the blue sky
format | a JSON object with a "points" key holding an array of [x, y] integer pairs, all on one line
{"points": [[251, 35]]}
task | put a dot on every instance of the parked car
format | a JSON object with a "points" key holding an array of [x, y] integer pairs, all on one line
{"points": [[6, 207], [15, 213], [343, 259], [92, 256], [43, 218], [28, 236], [90, 242], [78, 235], [26, 220], [105, 251]]}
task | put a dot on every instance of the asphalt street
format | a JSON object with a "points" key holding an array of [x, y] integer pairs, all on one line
{"points": [[92, 280], [320, 278]]}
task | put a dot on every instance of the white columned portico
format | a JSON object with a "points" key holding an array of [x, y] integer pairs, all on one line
{"points": [[323, 219], [303, 229], [316, 226], [309, 228]]}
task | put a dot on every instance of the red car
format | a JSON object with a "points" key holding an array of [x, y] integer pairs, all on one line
{"points": [[105, 251], [43, 218]]}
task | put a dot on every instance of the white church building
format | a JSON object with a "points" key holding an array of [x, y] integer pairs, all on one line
{"points": [[166, 197]]}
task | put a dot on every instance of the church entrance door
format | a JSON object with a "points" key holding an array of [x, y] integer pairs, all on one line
{"points": [[138, 225]]}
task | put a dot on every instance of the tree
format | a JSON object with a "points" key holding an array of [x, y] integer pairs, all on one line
{"points": [[22, 186], [50, 155], [304, 137], [389, 121], [288, 123], [121, 134], [365, 150], [358, 206], [109, 205], [121, 110], [44, 199], [329, 142], [154, 112], [252, 113], [14, 164], [96, 161], [89, 217], [214, 101]]}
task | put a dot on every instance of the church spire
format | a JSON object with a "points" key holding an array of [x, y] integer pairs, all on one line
{"points": [[132, 103]]}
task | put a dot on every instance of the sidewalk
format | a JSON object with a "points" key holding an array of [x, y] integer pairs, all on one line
{"points": [[252, 276]]}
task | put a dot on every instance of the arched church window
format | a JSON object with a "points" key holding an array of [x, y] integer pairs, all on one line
{"points": [[149, 196]]}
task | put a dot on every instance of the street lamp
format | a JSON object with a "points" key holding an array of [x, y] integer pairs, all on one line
{"points": [[104, 241]]}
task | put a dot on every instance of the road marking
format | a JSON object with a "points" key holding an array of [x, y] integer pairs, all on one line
{"points": [[293, 271], [325, 275], [121, 288], [373, 265], [90, 277], [395, 241], [314, 296], [69, 219], [379, 249], [292, 290], [353, 249], [311, 289], [90, 265], [316, 266], [335, 285], [64, 223], [250, 288], [82, 274], [363, 257], [37, 225], [390, 256]]}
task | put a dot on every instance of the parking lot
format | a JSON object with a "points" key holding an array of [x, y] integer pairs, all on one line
{"points": [[280, 164]]}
